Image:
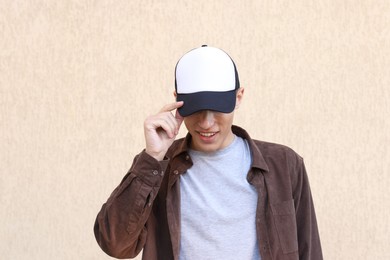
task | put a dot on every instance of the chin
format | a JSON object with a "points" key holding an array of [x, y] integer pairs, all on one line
{"points": [[207, 148]]}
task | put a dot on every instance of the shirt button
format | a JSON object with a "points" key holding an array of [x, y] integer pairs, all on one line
{"points": [[187, 157], [155, 172], [176, 172], [162, 173]]}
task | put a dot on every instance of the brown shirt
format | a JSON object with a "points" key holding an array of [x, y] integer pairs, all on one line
{"points": [[143, 212]]}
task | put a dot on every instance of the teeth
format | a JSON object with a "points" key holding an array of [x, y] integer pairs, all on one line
{"points": [[207, 134]]}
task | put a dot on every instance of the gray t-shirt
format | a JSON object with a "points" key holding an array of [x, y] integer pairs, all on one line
{"points": [[218, 206]]}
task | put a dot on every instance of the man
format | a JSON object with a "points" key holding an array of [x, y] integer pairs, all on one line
{"points": [[216, 194]]}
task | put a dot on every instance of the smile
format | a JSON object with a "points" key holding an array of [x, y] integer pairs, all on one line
{"points": [[207, 134]]}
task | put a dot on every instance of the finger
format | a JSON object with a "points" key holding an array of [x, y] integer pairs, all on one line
{"points": [[172, 106], [163, 120], [171, 121], [168, 123]]}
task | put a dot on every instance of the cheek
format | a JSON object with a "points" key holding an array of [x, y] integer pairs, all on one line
{"points": [[225, 121], [188, 123]]}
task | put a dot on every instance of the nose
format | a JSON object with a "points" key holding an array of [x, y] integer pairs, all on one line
{"points": [[206, 119]]}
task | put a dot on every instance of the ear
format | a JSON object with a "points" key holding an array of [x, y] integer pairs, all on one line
{"points": [[239, 96]]}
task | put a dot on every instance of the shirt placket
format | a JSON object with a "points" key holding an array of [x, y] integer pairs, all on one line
{"points": [[261, 225], [173, 200]]}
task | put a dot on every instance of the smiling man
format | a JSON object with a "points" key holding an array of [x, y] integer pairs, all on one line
{"points": [[216, 194]]}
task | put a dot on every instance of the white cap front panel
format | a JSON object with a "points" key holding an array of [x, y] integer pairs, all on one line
{"points": [[205, 69]]}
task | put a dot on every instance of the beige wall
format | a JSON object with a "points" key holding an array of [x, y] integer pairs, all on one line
{"points": [[77, 79]]}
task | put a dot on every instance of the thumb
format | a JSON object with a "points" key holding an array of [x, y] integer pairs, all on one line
{"points": [[179, 118]]}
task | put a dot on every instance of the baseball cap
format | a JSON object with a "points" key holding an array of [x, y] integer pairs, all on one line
{"points": [[206, 78]]}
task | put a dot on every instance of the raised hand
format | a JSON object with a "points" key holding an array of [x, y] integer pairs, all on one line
{"points": [[161, 130]]}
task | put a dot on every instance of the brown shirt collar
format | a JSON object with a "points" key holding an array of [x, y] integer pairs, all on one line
{"points": [[257, 157]]}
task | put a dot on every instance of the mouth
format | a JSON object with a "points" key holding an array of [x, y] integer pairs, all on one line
{"points": [[207, 134], [207, 137]]}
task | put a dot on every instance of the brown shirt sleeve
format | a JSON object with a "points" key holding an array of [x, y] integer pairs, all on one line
{"points": [[307, 230], [120, 225]]}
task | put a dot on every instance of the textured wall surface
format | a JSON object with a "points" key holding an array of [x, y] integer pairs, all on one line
{"points": [[77, 79]]}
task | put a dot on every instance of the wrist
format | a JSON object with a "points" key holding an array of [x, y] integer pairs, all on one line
{"points": [[159, 156]]}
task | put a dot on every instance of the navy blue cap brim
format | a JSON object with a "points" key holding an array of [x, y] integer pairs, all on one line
{"points": [[224, 102]]}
